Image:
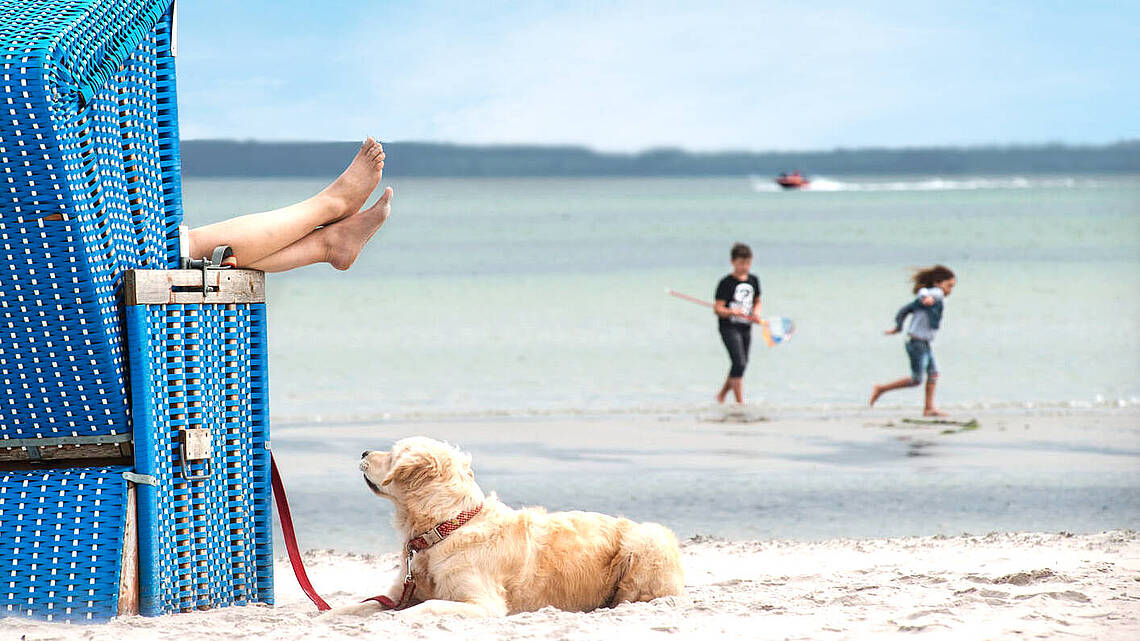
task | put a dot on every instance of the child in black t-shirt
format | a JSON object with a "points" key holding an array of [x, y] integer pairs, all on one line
{"points": [[737, 306]]}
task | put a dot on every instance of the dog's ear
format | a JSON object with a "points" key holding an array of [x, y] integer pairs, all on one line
{"points": [[413, 468], [467, 467]]}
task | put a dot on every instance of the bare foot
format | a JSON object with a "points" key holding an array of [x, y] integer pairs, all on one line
{"points": [[353, 187], [933, 412], [346, 238], [876, 392]]}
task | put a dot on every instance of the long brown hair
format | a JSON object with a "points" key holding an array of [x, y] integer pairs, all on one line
{"points": [[927, 277]]}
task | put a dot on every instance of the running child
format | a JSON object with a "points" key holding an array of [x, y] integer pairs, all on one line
{"points": [[931, 287], [737, 307]]}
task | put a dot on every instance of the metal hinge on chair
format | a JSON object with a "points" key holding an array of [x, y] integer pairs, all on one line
{"points": [[140, 479], [214, 261], [195, 445]]}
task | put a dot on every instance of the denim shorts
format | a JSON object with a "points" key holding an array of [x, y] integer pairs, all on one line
{"points": [[921, 358]]}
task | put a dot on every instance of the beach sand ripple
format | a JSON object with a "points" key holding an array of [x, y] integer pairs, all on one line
{"points": [[964, 587]]}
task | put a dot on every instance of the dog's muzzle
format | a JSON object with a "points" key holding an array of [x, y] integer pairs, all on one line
{"points": [[364, 468]]}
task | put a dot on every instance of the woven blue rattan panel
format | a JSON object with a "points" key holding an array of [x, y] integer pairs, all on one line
{"points": [[203, 543], [89, 187], [62, 532]]}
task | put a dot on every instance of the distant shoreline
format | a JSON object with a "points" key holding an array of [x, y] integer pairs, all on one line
{"points": [[231, 158]]}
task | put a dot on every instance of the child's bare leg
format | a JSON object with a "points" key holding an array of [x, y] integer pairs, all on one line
{"points": [[929, 409], [737, 385], [879, 390], [724, 390], [338, 244], [253, 237]]}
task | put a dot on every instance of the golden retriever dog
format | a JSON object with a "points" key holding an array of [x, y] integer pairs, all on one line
{"points": [[502, 561]]}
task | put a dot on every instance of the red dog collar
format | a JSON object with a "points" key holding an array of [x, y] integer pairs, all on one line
{"points": [[440, 532], [423, 542]]}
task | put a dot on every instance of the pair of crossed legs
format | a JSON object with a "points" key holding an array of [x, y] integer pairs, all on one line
{"points": [[330, 227]]}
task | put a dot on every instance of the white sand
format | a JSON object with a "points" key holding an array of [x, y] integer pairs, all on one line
{"points": [[999, 586]]}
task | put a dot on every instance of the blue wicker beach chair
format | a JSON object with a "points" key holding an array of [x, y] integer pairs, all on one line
{"points": [[134, 462]]}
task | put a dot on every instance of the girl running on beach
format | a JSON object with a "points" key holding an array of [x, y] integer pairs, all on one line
{"points": [[737, 307], [330, 227], [931, 287]]}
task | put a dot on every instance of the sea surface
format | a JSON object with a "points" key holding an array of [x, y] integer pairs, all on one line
{"points": [[521, 312], [495, 296]]}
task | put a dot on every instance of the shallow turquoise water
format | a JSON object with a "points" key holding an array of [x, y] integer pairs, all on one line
{"points": [[525, 296], [493, 300]]}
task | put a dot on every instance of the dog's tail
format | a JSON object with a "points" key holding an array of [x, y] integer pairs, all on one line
{"points": [[652, 565]]}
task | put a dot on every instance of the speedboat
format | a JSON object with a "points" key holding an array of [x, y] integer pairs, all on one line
{"points": [[793, 180]]}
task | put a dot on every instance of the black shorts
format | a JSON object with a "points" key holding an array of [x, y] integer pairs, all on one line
{"points": [[737, 339]]}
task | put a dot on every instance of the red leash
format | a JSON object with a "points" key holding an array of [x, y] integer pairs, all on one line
{"points": [[421, 542], [291, 538]]}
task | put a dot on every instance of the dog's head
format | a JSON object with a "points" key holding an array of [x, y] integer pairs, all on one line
{"points": [[418, 467]]}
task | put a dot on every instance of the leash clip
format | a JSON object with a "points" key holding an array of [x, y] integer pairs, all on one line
{"points": [[411, 557]]}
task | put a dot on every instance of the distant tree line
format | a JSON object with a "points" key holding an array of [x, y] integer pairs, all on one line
{"points": [[236, 158]]}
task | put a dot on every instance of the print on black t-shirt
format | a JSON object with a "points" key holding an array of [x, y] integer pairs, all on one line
{"points": [[740, 295]]}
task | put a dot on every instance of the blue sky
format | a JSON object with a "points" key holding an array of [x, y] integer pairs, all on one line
{"points": [[626, 76]]}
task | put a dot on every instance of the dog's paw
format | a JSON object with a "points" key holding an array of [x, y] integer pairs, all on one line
{"points": [[367, 608], [674, 600]]}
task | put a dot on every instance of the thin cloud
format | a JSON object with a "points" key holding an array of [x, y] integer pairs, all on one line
{"points": [[630, 76]]}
